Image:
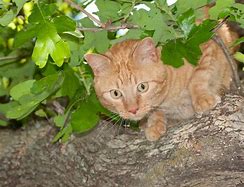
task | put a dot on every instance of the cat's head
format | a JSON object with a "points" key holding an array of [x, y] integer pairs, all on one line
{"points": [[129, 79]]}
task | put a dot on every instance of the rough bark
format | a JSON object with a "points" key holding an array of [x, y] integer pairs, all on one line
{"points": [[205, 151]]}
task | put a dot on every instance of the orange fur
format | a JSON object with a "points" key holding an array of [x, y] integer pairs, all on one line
{"points": [[165, 92]]}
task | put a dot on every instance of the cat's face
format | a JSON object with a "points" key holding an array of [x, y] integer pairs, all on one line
{"points": [[129, 78]]}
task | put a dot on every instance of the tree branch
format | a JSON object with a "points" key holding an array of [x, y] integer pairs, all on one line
{"points": [[102, 26], [77, 7], [205, 151]]}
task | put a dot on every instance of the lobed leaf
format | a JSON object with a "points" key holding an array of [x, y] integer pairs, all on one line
{"points": [[49, 43]]}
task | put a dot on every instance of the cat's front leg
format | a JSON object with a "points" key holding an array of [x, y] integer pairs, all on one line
{"points": [[155, 126]]}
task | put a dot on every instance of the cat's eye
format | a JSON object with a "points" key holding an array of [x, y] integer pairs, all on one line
{"points": [[142, 87], [116, 94]]}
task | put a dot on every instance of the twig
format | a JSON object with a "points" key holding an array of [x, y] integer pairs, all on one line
{"points": [[4, 58], [230, 60], [77, 7], [109, 28], [215, 29], [102, 26]]}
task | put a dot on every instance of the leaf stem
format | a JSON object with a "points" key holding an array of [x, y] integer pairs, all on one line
{"points": [[133, 3], [169, 13], [38, 6]]}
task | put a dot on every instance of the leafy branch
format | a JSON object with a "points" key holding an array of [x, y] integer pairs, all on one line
{"points": [[77, 7], [102, 26]]}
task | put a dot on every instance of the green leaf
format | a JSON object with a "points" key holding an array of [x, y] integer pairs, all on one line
{"points": [[172, 48], [21, 89], [7, 106], [191, 53], [131, 34], [108, 10], [49, 42], [41, 113], [140, 18], [8, 17], [239, 56], [41, 12], [99, 40], [59, 120], [159, 25], [86, 117], [238, 41], [221, 6], [60, 53], [18, 72], [77, 53], [237, 10], [71, 83], [187, 49], [64, 134], [20, 111], [187, 22], [49, 84], [201, 33], [67, 131], [34, 96], [25, 35], [185, 5], [64, 23]]}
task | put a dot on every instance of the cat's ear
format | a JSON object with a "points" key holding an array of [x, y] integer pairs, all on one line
{"points": [[146, 52], [98, 63]]}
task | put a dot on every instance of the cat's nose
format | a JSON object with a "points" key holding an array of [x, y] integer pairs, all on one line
{"points": [[133, 110]]}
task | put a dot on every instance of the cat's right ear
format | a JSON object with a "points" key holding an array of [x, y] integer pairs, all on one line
{"points": [[98, 63]]}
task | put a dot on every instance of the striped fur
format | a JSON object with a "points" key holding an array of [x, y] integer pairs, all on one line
{"points": [[172, 93]]}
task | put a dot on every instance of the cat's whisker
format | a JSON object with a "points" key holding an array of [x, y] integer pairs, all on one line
{"points": [[120, 125], [110, 121]]}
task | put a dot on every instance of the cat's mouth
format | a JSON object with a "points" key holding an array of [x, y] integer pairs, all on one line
{"points": [[133, 117]]}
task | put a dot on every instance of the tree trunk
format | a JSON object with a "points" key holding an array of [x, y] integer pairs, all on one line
{"points": [[206, 151]]}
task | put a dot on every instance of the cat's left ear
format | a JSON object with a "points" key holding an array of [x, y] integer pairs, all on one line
{"points": [[146, 52], [98, 63]]}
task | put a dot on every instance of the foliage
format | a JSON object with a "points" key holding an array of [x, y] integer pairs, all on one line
{"points": [[42, 44]]}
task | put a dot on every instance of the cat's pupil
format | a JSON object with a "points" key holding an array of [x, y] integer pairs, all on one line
{"points": [[116, 93], [142, 86]]}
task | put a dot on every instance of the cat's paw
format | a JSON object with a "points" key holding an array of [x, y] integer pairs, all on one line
{"points": [[155, 131], [205, 102]]}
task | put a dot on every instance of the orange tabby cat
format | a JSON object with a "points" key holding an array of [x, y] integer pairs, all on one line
{"points": [[131, 80]]}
